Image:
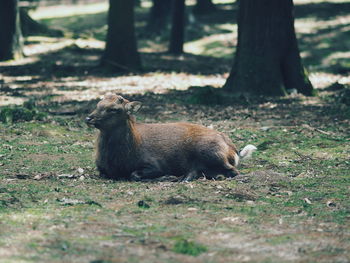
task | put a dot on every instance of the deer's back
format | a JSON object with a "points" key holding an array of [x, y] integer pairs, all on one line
{"points": [[178, 147]]}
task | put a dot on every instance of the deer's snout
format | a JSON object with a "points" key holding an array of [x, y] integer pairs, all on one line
{"points": [[88, 119]]}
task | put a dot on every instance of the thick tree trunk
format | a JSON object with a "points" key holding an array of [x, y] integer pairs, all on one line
{"points": [[267, 60], [204, 7], [121, 48], [31, 27], [10, 31], [159, 15], [177, 27]]}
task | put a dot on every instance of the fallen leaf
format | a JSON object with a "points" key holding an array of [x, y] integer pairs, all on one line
{"points": [[38, 177], [231, 219], [265, 128], [68, 201], [307, 200]]}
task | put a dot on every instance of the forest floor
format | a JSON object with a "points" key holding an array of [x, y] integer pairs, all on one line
{"points": [[291, 204]]}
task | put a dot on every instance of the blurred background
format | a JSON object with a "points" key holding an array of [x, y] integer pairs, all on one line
{"points": [[64, 45]]}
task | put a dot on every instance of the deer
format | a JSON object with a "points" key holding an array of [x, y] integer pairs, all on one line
{"points": [[129, 150]]}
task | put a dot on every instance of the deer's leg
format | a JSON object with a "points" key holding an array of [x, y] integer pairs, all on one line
{"points": [[192, 175], [220, 167], [146, 172], [103, 173]]}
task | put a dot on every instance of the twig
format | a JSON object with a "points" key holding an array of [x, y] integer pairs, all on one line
{"points": [[316, 129], [302, 156]]}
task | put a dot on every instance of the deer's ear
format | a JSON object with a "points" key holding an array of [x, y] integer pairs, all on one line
{"points": [[132, 107]]}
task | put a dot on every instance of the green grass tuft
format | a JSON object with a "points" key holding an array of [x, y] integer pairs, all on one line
{"points": [[27, 112], [186, 247]]}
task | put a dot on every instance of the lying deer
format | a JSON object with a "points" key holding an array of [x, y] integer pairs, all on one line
{"points": [[130, 150]]}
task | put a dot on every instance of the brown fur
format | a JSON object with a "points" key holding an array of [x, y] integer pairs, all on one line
{"points": [[130, 150]]}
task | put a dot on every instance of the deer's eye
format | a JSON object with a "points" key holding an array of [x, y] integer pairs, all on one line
{"points": [[113, 110]]}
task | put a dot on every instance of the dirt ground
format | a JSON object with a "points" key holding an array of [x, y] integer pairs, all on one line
{"points": [[291, 203]]}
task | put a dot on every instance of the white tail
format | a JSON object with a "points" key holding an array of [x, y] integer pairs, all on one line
{"points": [[247, 152]]}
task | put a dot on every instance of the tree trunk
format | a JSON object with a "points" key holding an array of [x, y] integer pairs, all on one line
{"points": [[267, 60], [159, 15], [31, 27], [10, 31], [177, 27], [121, 48], [204, 7], [137, 3]]}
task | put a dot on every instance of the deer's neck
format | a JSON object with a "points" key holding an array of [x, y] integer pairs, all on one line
{"points": [[122, 140]]}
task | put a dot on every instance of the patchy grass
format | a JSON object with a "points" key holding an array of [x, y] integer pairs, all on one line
{"points": [[291, 203], [183, 246]]}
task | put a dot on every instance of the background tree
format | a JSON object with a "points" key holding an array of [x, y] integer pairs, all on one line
{"points": [[121, 48], [31, 27], [204, 7], [10, 31], [159, 15], [177, 27], [267, 59]]}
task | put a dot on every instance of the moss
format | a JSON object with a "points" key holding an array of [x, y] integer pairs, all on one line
{"points": [[27, 112], [186, 247]]}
